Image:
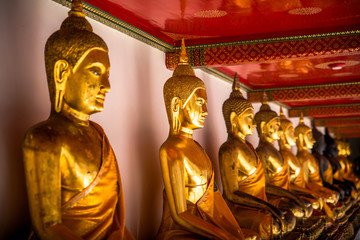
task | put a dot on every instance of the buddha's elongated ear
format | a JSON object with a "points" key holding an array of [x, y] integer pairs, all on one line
{"points": [[233, 116], [262, 127], [175, 110], [61, 74], [301, 139]]}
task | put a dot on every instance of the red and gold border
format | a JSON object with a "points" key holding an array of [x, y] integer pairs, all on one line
{"points": [[348, 132], [327, 111], [338, 122], [308, 93], [260, 52]]}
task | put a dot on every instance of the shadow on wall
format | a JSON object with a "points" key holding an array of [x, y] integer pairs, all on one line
{"points": [[17, 113], [16, 219], [149, 165], [355, 149]]}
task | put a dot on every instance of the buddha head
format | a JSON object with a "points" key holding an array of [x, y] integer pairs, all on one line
{"points": [[238, 113], [331, 149], [287, 137], [185, 97], [77, 65], [319, 145], [304, 135], [267, 122], [343, 146]]}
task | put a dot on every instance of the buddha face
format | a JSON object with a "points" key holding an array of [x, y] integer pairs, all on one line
{"points": [[289, 134], [272, 128], [195, 110], [88, 82], [308, 140], [342, 148], [245, 122]]}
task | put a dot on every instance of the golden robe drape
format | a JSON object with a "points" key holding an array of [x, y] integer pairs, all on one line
{"points": [[257, 220], [211, 207], [281, 178], [298, 178], [98, 211]]}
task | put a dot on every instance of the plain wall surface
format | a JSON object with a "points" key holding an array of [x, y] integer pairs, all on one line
{"points": [[134, 117]]}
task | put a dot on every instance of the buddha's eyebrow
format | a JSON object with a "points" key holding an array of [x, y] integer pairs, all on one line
{"points": [[97, 64]]}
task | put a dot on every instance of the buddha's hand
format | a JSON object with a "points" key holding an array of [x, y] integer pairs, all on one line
{"points": [[289, 220], [276, 228], [294, 208], [308, 209]]}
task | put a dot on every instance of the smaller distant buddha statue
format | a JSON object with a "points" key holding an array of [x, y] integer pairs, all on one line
{"points": [[192, 209], [72, 176], [331, 152], [346, 171], [276, 169], [325, 167], [296, 172], [242, 173], [310, 165]]}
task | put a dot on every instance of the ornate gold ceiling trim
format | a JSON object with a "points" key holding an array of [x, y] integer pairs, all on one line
{"points": [[326, 111], [240, 53], [315, 92], [117, 24], [272, 40], [338, 122], [348, 132]]}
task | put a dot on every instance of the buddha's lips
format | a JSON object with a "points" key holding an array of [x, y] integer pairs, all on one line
{"points": [[100, 98], [202, 118]]}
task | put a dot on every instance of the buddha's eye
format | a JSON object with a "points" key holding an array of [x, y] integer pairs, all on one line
{"points": [[95, 71], [200, 101]]}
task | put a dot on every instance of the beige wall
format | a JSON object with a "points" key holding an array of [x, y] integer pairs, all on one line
{"points": [[134, 117]]}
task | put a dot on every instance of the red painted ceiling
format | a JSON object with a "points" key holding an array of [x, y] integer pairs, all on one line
{"points": [[288, 73], [204, 22]]}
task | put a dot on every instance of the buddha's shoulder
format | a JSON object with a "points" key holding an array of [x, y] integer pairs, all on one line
{"points": [[287, 154], [303, 154], [233, 146], [262, 150], [46, 132], [177, 143], [177, 148], [267, 149]]}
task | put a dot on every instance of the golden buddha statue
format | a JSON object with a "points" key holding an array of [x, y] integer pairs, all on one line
{"points": [[242, 173], [296, 173], [304, 143], [276, 169], [192, 209], [346, 171], [331, 153], [73, 182], [326, 167]]}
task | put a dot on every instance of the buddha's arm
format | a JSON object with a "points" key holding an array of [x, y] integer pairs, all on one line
{"points": [[304, 192], [42, 170], [263, 156], [277, 191], [245, 199], [173, 176], [229, 177]]}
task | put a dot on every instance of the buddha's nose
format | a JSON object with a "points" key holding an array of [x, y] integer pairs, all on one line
{"points": [[204, 109], [105, 84]]}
